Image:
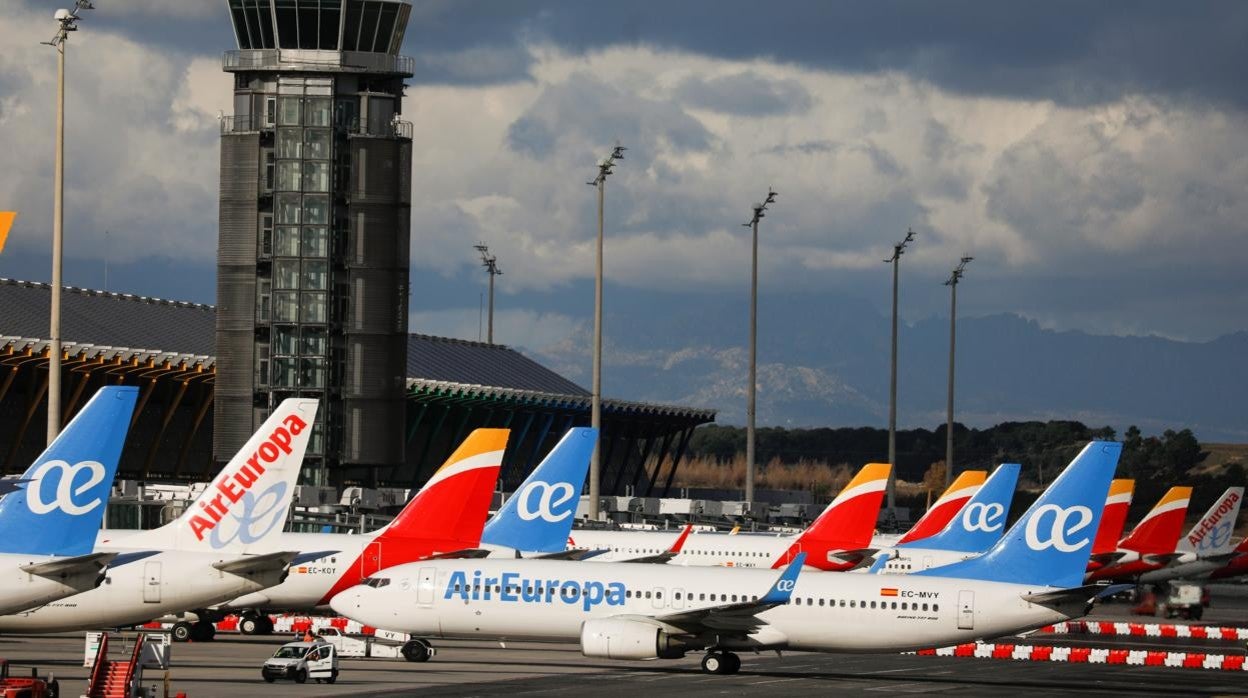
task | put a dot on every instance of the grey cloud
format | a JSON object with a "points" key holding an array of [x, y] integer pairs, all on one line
{"points": [[583, 108], [745, 94], [804, 148]]}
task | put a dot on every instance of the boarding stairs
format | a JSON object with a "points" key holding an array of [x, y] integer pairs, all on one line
{"points": [[116, 678]]}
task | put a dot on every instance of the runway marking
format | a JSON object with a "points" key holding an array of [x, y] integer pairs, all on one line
{"points": [[760, 683], [895, 671]]}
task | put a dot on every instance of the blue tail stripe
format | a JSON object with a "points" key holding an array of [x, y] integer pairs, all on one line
{"points": [[59, 509], [1050, 544], [538, 516], [982, 520]]}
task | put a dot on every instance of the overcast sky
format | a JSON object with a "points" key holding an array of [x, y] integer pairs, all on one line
{"points": [[1092, 156]]}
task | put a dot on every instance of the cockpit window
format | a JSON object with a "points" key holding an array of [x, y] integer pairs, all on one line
{"points": [[376, 582]]}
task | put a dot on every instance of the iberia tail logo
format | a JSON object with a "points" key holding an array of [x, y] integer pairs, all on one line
{"points": [[1114, 516], [947, 507], [1159, 530], [454, 503], [847, 524]]}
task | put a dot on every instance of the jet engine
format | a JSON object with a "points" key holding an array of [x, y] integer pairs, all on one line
{"points": [[617, 638]]}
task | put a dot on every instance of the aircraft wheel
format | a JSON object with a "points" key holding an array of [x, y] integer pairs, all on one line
{"points": [[732, 663], [416, 651], [203, 631], [181, 631], [713, 663], [266, 625], [249, 625]]}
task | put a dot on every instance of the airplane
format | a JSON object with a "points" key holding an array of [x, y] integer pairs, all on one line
{"points": [[1113, 521], [221, 547], [446, 515], [1030, 578], [1207, 547], [979, 524], [49, 519], [1152, 542], [837, 540]]}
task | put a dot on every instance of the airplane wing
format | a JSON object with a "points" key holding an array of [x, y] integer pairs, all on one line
{"points": [[256, 563], [741, 617], [667, 555], [91, 562]]}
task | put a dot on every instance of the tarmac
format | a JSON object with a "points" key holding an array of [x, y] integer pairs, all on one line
{"points": [[230, 667]]}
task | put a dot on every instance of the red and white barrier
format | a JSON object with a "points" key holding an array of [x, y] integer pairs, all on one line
{"points": [[1090, 655], [1201, 632], [287, 624]]}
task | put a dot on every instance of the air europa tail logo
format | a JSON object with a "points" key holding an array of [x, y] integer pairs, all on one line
{"points": [[1210, 526], [232, 487]]}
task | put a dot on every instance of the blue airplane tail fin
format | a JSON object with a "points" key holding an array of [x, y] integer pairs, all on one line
{"points": [[1051, 543], [538, 517], [982, 521], [59, 503]]}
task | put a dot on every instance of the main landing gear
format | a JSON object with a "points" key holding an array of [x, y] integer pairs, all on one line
{"points": [[720, 662], [200, 631], [251, 624], [417, 651]]}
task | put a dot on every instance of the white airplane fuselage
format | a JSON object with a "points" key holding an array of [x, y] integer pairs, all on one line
{"points": [[137, 591], [911, 560], [827, 612], [702, 549]]}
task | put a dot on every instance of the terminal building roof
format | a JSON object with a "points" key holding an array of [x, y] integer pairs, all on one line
{"points": [[129, 323]]}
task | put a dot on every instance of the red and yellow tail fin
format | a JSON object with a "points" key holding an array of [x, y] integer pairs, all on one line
{"points": [[849, 521], [454, 504], [1159, 530], [1114, 516], [947, 507]]}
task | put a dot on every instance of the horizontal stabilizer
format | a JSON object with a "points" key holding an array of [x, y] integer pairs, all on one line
{"points": [[855, 556], [1084, 594], [573, 555], [246, 564], [91, 562], [1162, 558], [465, 554], [1103, 559], [303, 558], [667, 555], [135, 556]]}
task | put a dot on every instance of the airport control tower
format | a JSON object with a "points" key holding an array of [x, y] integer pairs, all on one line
{"points": [[312, 265]]}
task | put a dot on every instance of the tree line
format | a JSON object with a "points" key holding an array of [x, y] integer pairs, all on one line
{"points": [[1043, 449]]}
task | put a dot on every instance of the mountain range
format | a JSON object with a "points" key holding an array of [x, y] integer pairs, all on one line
{"points": [[824, 362]]}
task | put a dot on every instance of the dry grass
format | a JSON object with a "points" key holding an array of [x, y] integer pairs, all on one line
{"points": [[821, 478]]}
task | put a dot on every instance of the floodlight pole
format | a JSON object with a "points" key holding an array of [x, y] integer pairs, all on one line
{"points": [[67, 21], [952, 283], [490, 262], [752, 389], [595, 470], [898, 250]]}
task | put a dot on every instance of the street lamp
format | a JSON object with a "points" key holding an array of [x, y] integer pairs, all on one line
{"points": [[490, 262], [898, 250], [595, 472], [67, 21], [752, 391], [952, 283]]}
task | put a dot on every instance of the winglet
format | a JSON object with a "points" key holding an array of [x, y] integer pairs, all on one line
{"points": [[680, 542], [780, 592]]}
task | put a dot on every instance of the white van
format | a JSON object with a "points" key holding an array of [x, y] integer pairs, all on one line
{"points": [[301, 661]]}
